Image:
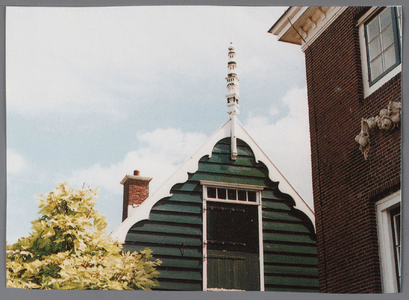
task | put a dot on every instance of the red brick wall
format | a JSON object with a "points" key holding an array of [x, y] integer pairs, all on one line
{"points": [[135, 192], [345, 185]]}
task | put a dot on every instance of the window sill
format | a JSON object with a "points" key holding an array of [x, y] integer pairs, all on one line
{"points": [[368, 90]]}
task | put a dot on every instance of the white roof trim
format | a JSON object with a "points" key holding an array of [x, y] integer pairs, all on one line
{"points": [[191, 166], [308, 21]]}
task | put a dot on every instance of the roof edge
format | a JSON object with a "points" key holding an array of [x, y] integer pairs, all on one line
{"points": [[302, 25], [279, 20], [274, 174], [191, 165], [181, 175]]}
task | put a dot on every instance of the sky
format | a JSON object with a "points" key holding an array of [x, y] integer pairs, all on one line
{"points": [[95, 93]]}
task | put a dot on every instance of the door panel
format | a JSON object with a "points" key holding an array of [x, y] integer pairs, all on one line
{"points": [[232, 246]]}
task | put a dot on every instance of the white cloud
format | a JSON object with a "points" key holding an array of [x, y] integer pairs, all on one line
{"points": [[287, 141], [163, 152], [274, 112], [92, 60], [15, 162]]}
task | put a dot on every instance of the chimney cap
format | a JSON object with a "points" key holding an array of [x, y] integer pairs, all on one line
{"points": [[136, 173], [137, 178]]}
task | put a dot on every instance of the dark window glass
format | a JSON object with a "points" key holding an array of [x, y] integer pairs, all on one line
{"points": [[241, 195], [399, 16], [221, 193], [211, 192], [252, 196], [395, 218], [232, 194]]}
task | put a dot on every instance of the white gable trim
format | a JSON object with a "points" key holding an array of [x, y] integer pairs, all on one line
{"points": [[191, 166], [274, 173]]}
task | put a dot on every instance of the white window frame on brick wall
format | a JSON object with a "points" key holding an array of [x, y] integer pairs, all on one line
{"points": [[369, 87], [386, 242]]}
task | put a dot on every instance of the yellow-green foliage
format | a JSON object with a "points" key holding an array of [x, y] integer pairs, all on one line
{"points": [[68, 248]]}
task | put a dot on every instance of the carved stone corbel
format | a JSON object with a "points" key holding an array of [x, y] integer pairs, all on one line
{"points": [[321, 13], [387, 119], [303, 32], [310, 23]]}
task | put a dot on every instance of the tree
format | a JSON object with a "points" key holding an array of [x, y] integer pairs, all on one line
{"points": [[68, 248]]}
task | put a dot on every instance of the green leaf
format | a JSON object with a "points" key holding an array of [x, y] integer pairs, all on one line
{"points": [[63, 251]]}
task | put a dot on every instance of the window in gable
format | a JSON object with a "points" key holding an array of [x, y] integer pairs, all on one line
{"points": [[221, 193], [382, 37]]}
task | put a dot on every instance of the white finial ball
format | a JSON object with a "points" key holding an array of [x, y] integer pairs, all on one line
{"points": [[231, 47]]}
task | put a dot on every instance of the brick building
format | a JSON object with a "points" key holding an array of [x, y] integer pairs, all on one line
{"points": [[226, 220], [353, 66]]}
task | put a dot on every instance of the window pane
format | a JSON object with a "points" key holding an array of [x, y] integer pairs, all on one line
{"points": [[395, 217], [232, 194], [373, 29], [374, 48], [400, 21], [390, 57], [221, 193], [241, 195], [252, 196], [387, 37], [376, 68], [386, 18], [211, 192], [397, 228]]}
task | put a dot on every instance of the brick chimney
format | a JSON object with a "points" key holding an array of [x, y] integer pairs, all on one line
{"points": [[136, 191]]}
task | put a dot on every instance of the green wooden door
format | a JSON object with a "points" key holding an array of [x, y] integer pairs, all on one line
{"points": [[232, 246]]}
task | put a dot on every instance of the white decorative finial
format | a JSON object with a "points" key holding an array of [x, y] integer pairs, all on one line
{"points": [[232, 94], [233, 97]]}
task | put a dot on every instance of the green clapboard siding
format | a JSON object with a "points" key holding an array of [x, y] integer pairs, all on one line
{"points": [[191, 264], [159, 227], [172, 207], [178, 285], [296, 289], [189, 198], [289, 259], [179, 274], [165, 252], [275, 205], [290, 227], [283, 248], [291, 281], [174, 228], [294, 271]]}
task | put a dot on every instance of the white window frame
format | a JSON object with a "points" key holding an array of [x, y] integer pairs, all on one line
{"points": [[386, 245], [258, 189], [369, 89]]}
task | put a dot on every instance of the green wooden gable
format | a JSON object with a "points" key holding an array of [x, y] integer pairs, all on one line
{"points": [[174, 228]]}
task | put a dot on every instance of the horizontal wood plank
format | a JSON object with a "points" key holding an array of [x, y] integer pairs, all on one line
{"points": [[289, 270], [175, 252], [166, 228], [290, 260], [163, 239]]}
